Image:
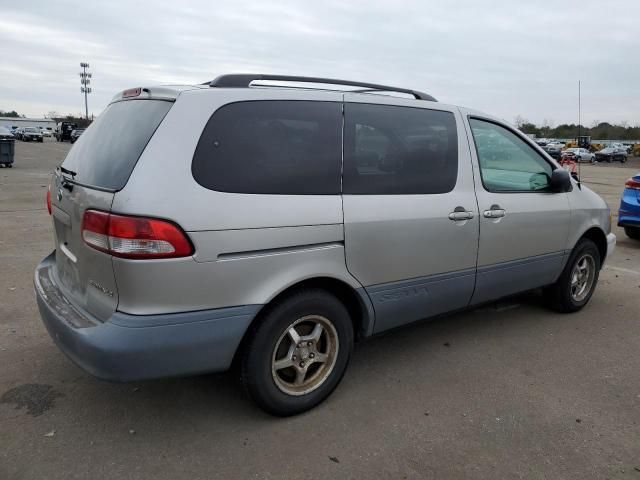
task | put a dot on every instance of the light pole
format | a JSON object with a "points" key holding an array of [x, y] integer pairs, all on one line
{"points": [[85, 81]]}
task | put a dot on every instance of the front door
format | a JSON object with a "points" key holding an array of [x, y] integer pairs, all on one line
{"points": [[410, 212], [523, 225]]}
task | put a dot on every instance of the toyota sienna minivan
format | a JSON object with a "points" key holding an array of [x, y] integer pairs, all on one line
{"points": [[273, 226]]}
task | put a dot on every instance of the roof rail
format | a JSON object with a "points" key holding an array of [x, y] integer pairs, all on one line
{"points": [[243, 80]]}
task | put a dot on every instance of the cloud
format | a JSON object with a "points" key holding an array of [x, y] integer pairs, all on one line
{"points": [[507, 58]]}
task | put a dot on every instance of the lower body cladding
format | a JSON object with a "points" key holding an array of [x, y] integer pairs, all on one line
{"points": [[134, 347], [129, 347]]}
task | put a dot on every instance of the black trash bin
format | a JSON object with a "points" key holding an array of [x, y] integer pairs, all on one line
{"points": [[7, 151]]}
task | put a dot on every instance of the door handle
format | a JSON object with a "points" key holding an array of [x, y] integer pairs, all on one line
{"points": [[460, 214], [494, 212]]}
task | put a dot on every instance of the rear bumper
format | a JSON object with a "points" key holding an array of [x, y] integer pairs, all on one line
{"points": [[135, 347]]}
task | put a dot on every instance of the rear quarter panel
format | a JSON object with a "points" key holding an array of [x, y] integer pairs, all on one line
{"points": [[248, 247]]}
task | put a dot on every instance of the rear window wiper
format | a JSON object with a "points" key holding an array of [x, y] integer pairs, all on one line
{"points": [[67, 171], [66, 182]]}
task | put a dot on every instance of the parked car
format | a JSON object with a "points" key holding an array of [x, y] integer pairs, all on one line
{"points": [[554, 150], [63, 130], [45, 132], [6, 133], [29, 134], [612, 154], [629, 212], [294, 222], [579, 155], [17, 133], [75, 134]]}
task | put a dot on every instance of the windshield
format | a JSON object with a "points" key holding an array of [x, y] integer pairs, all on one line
{"points": [[107, 152]]}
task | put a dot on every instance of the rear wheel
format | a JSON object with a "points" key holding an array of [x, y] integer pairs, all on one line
{"points": [[623, 159], [578, 280], [298, 352], [632, 232]]}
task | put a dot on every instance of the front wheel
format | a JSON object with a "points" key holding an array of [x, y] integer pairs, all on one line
{"points": [[632, 232], [623, 159], [578, 280], [298, 352]]}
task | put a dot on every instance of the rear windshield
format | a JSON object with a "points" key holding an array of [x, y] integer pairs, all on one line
{"points": [[107, 152]]}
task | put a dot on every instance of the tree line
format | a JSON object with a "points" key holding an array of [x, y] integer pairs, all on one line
{"points": [[53, 115], [597, 131], [11, 114]]}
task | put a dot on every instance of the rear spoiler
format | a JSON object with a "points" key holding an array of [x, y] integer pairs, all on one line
{"points": [[148, 93]]}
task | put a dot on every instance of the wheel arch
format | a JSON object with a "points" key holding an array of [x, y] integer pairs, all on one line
{"points": [[597, 236], [356, 300]]}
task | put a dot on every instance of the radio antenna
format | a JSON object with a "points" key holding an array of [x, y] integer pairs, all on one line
{"points": [[579, 119]]}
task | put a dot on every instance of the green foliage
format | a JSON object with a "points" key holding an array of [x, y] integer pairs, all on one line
{"points": [[600, 131], [12, 114]]}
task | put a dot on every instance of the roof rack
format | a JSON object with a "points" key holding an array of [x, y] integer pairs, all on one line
{"points": [[243, 80]]}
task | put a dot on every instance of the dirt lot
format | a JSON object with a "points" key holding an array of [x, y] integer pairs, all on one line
{"points": [[508, 391]]}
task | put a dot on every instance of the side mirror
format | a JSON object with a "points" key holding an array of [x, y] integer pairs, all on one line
{"points": [[560, 181]]}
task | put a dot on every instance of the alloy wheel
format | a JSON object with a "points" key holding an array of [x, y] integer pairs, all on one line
{"points": [[582, 277], [304, 355]]}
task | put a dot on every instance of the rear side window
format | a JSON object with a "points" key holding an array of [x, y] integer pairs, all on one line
{"points": [[107, 152], [271, 147], [399, 150]]}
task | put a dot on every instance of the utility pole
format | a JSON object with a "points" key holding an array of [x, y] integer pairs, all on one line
{"points": [[85, 81]]}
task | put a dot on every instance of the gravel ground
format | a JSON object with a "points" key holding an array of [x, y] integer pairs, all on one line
{"points": [[510, 390]]}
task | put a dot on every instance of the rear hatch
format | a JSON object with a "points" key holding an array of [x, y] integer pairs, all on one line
{"points": [[98, 165]]}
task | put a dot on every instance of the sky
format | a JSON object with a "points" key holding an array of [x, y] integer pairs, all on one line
{"points": [[505, 57]]}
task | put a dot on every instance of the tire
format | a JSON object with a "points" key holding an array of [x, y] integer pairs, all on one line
{"points": [[623, 159], [290, 390], [632, 232], [561, 295], [593, 160]]}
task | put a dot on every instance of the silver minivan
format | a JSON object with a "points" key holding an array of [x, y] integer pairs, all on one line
{"points": [[272, 226]]}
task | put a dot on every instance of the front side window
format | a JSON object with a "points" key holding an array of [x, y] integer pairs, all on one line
{"points": [[271, 147], [508, 163], [399, 150]]}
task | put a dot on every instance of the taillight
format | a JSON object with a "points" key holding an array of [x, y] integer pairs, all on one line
{"points": [[49, 199], [632, 183], [134, 237]]}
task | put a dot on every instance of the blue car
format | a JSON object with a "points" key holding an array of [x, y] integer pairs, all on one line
{"points": [[629, 213]]}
